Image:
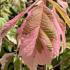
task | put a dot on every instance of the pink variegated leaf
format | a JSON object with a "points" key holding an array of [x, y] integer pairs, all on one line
{"points": [[60, 26], [38, 37], [11, 23], [8, 26], [63, 3]]}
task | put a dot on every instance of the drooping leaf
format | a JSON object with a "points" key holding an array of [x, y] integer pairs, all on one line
{"points": [[38, 37], [61, 11], [8, 26], [60, 26], [11, 23]]}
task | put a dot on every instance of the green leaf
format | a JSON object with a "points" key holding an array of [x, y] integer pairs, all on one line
{"points": [[2, 21], [65, 58], [7, 45], [17, 63], [11, 35]]}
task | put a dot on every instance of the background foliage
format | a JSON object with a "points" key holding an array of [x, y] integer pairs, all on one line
{"points": [[9, 60]]}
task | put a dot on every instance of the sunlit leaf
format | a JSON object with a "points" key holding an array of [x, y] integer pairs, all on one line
{"points": [[61, 11], [12, 35]]}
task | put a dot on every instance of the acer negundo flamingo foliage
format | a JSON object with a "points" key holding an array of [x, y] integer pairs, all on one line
{"points": [[63, 3], [39, 35]]}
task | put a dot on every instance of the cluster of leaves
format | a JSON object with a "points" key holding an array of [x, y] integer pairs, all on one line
{"points": [[10, 8], [9, 59], [9, 52]]}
